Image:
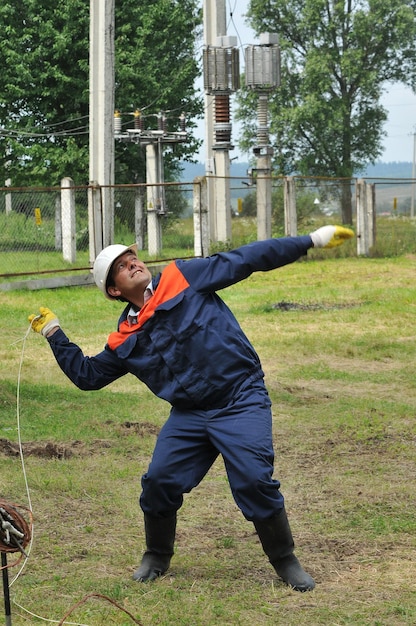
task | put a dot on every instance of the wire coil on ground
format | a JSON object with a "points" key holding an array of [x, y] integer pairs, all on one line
{"points": [[15, 530]]}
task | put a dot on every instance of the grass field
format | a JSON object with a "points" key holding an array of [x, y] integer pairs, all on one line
{"points": [[337, 342]]}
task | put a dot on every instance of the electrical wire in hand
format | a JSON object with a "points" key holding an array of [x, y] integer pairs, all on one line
{"points": [[16, 532]]}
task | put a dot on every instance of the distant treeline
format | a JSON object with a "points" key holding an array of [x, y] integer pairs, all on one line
{"points": [[394, 169]]}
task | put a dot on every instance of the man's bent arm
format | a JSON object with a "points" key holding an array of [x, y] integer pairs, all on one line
{"points": [[87, 373]]}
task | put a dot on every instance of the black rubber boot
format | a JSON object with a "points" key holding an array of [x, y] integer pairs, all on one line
{"points": [[160, 538], [277, 541]]}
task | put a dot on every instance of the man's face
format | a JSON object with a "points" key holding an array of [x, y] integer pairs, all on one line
{"points": [[130, 277]]}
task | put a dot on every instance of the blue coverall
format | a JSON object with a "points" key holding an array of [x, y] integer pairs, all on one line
{"points": [[189, 349]]}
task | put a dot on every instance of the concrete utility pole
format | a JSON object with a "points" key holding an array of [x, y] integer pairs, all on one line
{"points": [[101, 134], [154, 141], [221, 78], [214, 19], [264, 153], [263, 75]]}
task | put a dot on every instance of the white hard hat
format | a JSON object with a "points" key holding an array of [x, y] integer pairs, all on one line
{"points": [[104, 261]]}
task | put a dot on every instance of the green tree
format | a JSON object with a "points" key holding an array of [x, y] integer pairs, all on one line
{"points": [[156, 68], [337, 57], [44, 83]]}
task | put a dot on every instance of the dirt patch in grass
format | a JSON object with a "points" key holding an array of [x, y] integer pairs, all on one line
{"points": [[59, 450], [314, 306], [51, 449], [140, 428]]}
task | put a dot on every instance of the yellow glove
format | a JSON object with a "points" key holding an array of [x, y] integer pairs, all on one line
{"points": [[330, 236], [45, 322]]}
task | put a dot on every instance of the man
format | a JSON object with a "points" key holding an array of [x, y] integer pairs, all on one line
{"points": [[183, 342]]}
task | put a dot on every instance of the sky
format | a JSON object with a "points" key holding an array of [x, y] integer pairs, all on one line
{"points": [[400, 102]]}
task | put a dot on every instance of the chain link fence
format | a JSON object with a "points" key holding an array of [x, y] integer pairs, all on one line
{"points": [[33, 228], [32, 221]]}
